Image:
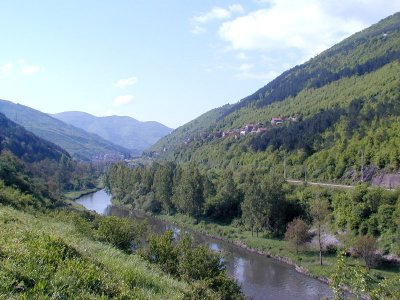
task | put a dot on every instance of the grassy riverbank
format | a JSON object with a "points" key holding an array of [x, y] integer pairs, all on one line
{"points": [[306, 261], [77, 194], [47, 254]]}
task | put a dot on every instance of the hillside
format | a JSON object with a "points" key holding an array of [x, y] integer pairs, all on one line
{"points": [[341, 103], [79, 143], [25, 145], [123, 131]]}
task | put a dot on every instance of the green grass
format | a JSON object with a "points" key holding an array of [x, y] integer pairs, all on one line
{"points": [[77, 194], [43, 256]]}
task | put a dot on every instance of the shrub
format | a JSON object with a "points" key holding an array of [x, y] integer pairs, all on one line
{"points": [[123, 233], [296, 233], [366, 247]]}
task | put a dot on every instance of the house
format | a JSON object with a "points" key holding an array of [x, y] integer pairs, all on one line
{"points": [[276, 121]]}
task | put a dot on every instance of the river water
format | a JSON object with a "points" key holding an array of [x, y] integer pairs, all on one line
{"points": [[259, 276]]}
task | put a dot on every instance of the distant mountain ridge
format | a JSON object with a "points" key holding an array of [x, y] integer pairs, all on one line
{"points": [[77, 142], [121, 130]]}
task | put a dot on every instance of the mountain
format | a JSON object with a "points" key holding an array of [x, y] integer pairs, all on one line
{"points": [[79, 143], [25, 145], [337, 115], [124, 131]]}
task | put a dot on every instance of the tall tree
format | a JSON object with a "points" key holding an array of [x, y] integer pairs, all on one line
{"points": [[188, 193], [319, 209], [225, 204], [162, 185]]}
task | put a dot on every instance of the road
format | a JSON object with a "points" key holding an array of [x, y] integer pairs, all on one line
{"points": [[340, 186]]}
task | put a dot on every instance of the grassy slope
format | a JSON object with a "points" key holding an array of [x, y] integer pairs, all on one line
{"points": [[93, 270]]}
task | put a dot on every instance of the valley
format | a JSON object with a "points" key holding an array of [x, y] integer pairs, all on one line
{"points": [[300, 177]]}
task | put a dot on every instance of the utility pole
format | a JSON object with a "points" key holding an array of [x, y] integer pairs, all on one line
{"points": [[305, 174], [362, 165], [284, 166]]}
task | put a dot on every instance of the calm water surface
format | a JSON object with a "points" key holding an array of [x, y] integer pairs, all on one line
{"points": [[260, 277]]}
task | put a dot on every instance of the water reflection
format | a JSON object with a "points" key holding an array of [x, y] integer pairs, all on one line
{"points": [[260, 277]]}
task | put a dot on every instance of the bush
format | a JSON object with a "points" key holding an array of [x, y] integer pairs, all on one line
{"points": [[123, 233], [198, 265], [331, 249], [366, 247]]}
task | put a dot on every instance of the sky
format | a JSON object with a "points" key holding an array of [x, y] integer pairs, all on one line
{"points": [[163, 60]]}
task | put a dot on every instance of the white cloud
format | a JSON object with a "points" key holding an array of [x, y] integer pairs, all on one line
{"points": [[196, 29], [6, 69], [262, 1], [246, 67], [121, 100], [126, 82], [236, 8], [308, 25], [30, 69], [216, 13]]}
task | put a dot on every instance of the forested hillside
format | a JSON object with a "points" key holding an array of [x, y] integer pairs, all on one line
{"points": [[123, 131], [26, 145], [339, 113], [39, 167], [79, 143]]}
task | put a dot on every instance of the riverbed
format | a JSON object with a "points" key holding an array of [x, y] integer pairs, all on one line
{"points": [[259, 276]]}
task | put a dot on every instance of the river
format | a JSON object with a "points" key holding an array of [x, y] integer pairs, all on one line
{"points": [[259, 276]]}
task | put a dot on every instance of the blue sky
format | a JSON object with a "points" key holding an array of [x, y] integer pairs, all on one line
{"points": [[163, 60]]}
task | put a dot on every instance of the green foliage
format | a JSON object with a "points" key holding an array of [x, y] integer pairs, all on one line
{"points": [[188, 192], [123, 233], [162, 251], [264, 205], [45, 256], [199, 265], [361, 282]]}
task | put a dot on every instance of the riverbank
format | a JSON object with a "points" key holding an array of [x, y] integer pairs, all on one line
{"points": [[71, 197], [305, 262]]}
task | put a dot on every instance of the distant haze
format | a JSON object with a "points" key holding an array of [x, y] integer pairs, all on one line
{"points": [[124, 131]]}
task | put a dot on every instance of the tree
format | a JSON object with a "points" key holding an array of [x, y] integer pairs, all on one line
{"points": [[226, 203], [319, 209], [366, 247], [264, 204], [162, 185], [297, 233], [249, 207], [188, 193]]}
